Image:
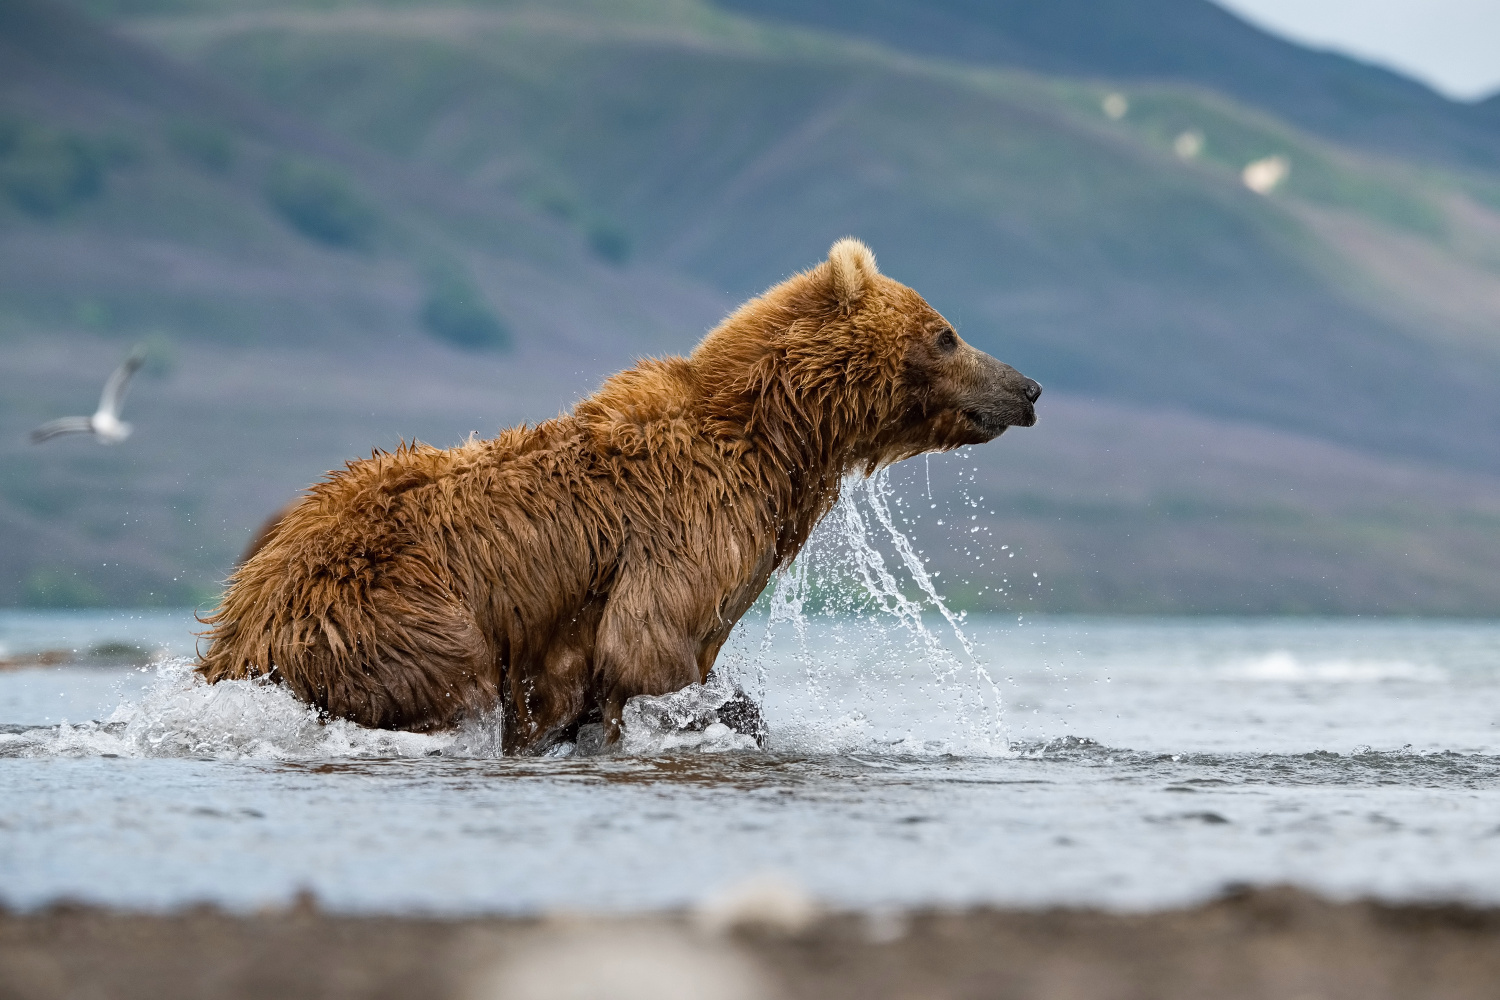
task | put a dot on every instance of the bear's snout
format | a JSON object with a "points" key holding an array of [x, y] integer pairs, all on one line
{"points": [[1031, 389], [1002, 398]]}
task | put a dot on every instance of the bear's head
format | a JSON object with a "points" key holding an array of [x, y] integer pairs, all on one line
{"points": [[845, 367]]}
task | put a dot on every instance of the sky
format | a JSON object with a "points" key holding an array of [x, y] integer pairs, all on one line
{"points": [[1451, 45]]}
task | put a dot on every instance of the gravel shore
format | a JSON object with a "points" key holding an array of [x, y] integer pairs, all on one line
{"points": [[1279, 943]]}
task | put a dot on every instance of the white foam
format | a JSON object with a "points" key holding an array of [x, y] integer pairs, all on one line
{"points": [[181, 715], [1284, 666]]}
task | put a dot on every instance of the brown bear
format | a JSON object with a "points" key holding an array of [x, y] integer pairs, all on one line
{"points": [[559, 570]]}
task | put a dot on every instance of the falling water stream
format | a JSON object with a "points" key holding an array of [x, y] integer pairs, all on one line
{"points": [[841, 584]]}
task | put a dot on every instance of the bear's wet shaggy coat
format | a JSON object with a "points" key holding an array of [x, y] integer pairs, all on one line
{"points": [[559, 570]]}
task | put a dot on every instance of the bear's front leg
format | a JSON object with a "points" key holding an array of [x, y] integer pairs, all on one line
{"points": [[651, 640]]}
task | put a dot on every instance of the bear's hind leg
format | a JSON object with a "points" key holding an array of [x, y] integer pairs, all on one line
{"points": [[407, 660], [547, 700]]}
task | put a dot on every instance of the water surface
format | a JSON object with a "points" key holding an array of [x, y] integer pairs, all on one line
{"points": [[1133, 763]]}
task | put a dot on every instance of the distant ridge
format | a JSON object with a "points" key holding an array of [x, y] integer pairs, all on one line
{"points": [[1182, 40], [52, 45]]}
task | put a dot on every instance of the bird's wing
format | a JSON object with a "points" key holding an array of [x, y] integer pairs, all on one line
{"points": [[63, 425], [114, 390]]}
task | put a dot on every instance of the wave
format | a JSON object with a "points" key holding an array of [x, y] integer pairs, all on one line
{"points": [[1283, 666], [1199, 771]]}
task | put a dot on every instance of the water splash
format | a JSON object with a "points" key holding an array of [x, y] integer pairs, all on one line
{"points": [[698, 718], [181, 715], [857, 663]]}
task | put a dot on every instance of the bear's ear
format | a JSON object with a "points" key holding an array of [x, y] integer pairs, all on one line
{"points": [[852, 265]]}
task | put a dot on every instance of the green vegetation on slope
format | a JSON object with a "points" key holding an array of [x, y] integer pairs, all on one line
{"points": [[45, 171], [455, 311], [321, 204]]}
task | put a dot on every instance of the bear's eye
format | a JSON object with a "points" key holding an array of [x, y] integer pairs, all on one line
{"points": [[947, 340]]}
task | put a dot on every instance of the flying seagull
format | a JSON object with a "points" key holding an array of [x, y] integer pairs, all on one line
{"points": [[105, 424]]}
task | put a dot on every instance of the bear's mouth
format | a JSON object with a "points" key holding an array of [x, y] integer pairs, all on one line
{"points": [[992, 423]]}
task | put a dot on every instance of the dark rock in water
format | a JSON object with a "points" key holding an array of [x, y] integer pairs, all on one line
{"points": [[116, 651], [742, 714], [41, 658]]}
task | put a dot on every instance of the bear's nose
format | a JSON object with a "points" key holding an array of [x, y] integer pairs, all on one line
{"points": [[1032, 390]]}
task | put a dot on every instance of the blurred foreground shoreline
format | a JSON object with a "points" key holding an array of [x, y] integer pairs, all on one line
{"points": [[1275, 942]]}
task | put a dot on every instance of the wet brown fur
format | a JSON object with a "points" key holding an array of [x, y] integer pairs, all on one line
{"points": [[558, 570]]}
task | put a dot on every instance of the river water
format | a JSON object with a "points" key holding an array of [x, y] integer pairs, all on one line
{"points": [[1131, 763]]}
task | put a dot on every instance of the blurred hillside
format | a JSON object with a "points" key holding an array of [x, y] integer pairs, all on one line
{"points": [[344, 222], [287, 283], [1188, 41]]}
